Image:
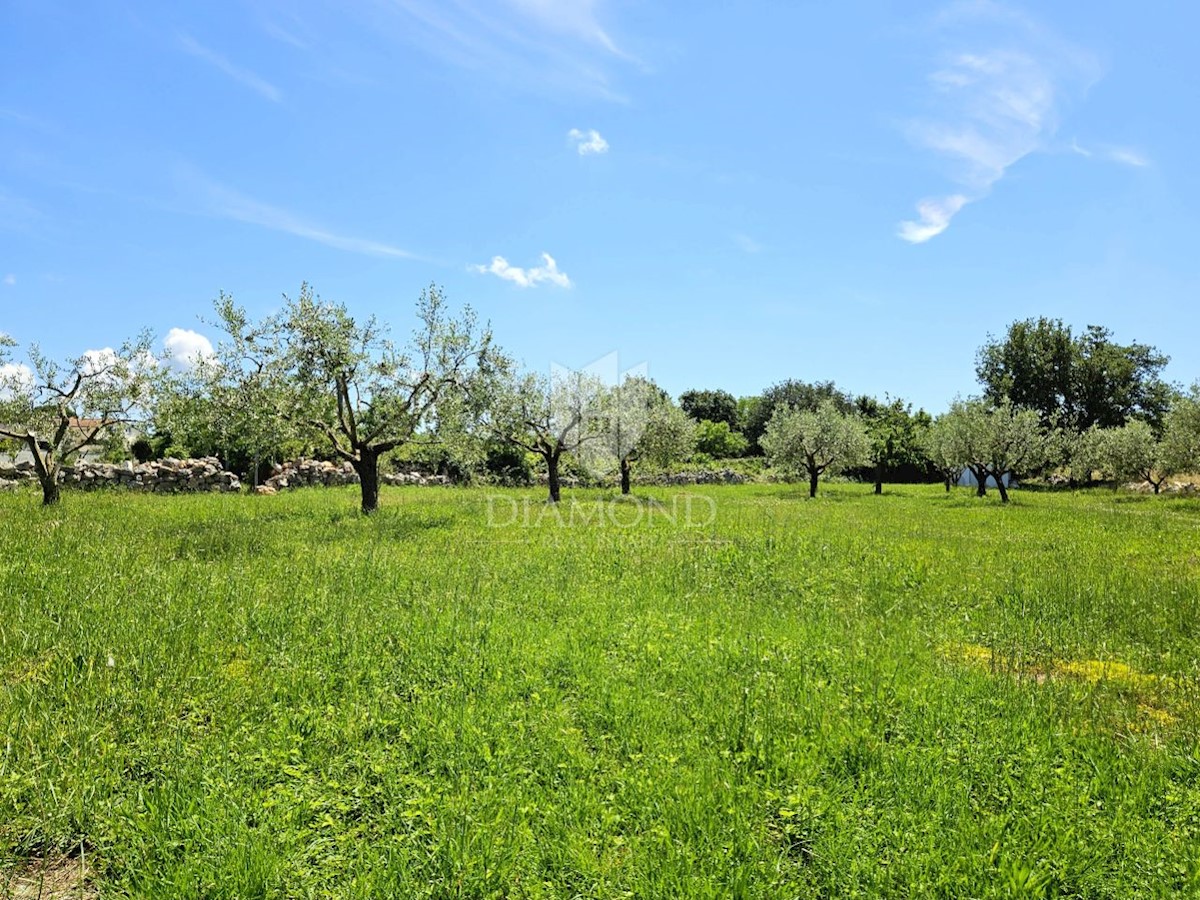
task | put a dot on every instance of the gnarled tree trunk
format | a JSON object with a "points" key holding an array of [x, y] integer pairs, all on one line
{"points": [[625, 476], [981, 477], [46, 469], [1001, 488], [552, 476], [367, 467]]}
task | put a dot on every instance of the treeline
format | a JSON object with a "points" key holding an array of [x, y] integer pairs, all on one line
{"points": [[1085, 404], [312, 380]]}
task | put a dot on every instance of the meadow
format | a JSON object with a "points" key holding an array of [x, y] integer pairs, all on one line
{"points": [[918, 694]]}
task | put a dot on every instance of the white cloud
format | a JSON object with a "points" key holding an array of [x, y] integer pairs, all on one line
{"points": [[587, 142], [227, 203], [934, 217], [15, 378], [186, 348], [259, 85], [10, 279], [992, 108], [546, 273], [94, 362]]}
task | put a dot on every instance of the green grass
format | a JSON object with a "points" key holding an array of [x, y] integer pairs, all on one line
{"points": [[913, 695]]}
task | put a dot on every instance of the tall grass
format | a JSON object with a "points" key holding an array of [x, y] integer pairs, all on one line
{"points": [[918, 694]]}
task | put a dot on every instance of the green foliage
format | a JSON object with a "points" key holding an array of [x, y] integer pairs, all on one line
{"points": [[114, 448], [791, 393], [229, 405], [1133, 451], [669, 436], [896, 434], [993, 441], [505, 463], [712, 406], [1181, 433], [234, 696], [55, 409], [641, 423], [824, 441], [717, 441], [568, 414], [1085, 454], [748, 412], [317, 369], [1075, 381], [142, 450]]}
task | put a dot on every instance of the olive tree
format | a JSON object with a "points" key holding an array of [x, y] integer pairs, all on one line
{"points": [[940, 443], [347, 383], [1181, 432], [550, 416], [895, 434], [820, 441], [1085, 454], [56, 409], [959, 441], [223, 404], [995, 441], [1133, 451], [641, 423]]}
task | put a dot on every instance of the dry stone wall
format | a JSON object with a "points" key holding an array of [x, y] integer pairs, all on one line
{"points": [[321, 473], [162, 476]]}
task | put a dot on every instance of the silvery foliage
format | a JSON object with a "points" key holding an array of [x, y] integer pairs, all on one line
{"points": [[638, 421], [823, 441]]}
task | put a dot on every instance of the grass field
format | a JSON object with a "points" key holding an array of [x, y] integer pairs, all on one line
{"points": [[911, 695]]}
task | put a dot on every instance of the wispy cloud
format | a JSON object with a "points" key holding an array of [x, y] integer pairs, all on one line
{"points": [[587, 142], [747, 243], [10, 279], [933, 217], [1126, 156], [17, 213], [990, 108], [276, 32], [250, 79], [547, 273], [218, 200], [575, 18], [185, 348], [541, 45]]}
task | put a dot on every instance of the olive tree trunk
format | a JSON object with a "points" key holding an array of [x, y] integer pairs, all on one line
{"points": [[1001, 488], [980, 480], [552, 476], [50, 490], [367, 467], [625, 476], [46, 469]]}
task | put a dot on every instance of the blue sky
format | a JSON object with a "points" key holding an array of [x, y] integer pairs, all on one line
{"points": [[733, 194]]}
